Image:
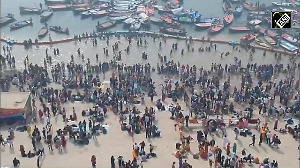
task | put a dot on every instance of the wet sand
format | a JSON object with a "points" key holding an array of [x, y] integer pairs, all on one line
{"points": [[117, 142]]}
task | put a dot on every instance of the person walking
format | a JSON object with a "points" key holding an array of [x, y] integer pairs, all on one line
{"points": [[93, 161], [253, 141]]}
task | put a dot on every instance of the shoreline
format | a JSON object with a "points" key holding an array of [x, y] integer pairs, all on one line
{"points": [[219, 41]]}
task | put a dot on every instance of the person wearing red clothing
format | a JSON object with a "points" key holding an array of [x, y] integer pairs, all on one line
{"points": [[93, 160]]}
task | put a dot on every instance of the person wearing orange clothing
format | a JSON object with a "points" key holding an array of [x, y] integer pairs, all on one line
{"points": [[134, 155]]}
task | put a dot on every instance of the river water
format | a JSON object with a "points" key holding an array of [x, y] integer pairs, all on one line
{"points": [[76, 25]]}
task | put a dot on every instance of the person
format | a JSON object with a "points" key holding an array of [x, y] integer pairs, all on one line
{"points": [[93, 160], [234, 148], [173, 165], [16, 162], [112, 162], [253, 141]]}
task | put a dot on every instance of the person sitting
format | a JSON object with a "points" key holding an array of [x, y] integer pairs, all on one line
{"points": [[22, 150], [144, 157], [16, 162], [30, 155]]}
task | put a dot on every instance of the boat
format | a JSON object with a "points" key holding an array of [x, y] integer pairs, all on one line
{"points": [[118, 19], [156, 20], [105, 25], [227, 7], [238, 11], [99, 14], [21, 24], [239, 28], [88, 13], [209, 20], [9, 18], [248, 38], [60, 7], [215, 28], [149, 11], [254, 22], [46, 15], [56, 1], [290, 39], [43, 32], [81, 5], [184, 19], [141, 9], [235, 1], [267, 32], [168, 20], [24, 10], [255, 16], [228, 19], [288, 46], [135, 26], [262, 43], [257, 12], [58, 29], [79, 10], [173, 31], [249, 7], [128, 21], [283, 4], [270, 40], [203, 25]]}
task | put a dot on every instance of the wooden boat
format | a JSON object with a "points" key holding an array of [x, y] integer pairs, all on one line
{"points": [[184, 19], [77, 11], [135, 26], [255, 16], [173, 31], [215, 28], [270, 40], [56, 1], [248, 38], [209, 20], [82, 5], [262, 43], [156, 20], [46, 15], [228, 19], [118, 14], [21, 24], [43, 32], [60, 7], [288, 46], [24, 10], [203, 25], [227, 7], [105, 25], [238, 11], [118, 19], [99, 14], [267, 32], [239, 28], [166, 19], [58, 29], [235, 1], [141, 9], [250, 7], [258, 12], [283, 4], [149, 11], [254, 22], [88, 13], [290, 39], [9, 18]]}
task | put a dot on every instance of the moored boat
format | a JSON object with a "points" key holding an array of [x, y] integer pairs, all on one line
{"points": [[118, 19], [262, 43], [43, 32], [290, 39], [283, 4], [56, 1], [288, 46], [257, 12], [267, 32], [239, 28], [254, 22], [227, 7], [156, 20], [141, 9], [60, 7], [21, 24], [9, 18], [128, 21], [58, 29], [228, 19], [135, 26], [238, 11], [149, 11], [235, 1], [248, 38], [24, 10], [46, 15], [249, 7], [105, 25], [173, 31], [99, 14], [270, 40], [215, 28], [79, 10], [209, 20], [203, 25]]}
